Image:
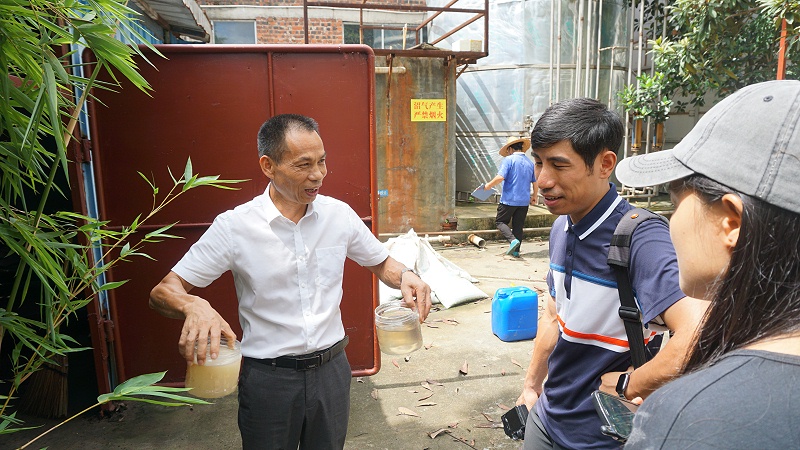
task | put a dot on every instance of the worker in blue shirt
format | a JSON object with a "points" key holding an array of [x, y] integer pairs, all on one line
{"points": [[519, 191]]}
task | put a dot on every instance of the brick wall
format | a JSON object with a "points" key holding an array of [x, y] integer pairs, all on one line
{"points": [[300, 2], [282, 30], [271, 30]]}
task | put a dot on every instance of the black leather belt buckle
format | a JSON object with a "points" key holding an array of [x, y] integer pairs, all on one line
{"points": [[305, 362], [310, 362]]}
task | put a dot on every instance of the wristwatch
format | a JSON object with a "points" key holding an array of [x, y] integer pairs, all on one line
{"points": [[622, 384], [402, 272]]}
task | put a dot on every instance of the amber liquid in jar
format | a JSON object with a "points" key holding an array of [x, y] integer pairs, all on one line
{"points": [[218, 377], [398, 329]]}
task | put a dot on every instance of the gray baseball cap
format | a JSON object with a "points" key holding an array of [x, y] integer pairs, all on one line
{"points": [[749, 142]]}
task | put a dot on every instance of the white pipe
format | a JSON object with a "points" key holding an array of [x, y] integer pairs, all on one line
{"points": [[578, 49], [552, 49], [476, 240], [611, 63], [440, 238], [385, 70], [589, 23], [558, 53], [640, 64], [628, 131], [641, 39], [611, 77]]}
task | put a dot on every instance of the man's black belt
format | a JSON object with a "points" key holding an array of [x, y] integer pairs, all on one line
{"points": [[305, 362]]}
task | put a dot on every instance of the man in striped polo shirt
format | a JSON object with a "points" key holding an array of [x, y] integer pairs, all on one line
{"points": [[581, 344]]}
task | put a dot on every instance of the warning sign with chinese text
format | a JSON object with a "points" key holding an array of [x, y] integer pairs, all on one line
{"points": [[428, 110]]}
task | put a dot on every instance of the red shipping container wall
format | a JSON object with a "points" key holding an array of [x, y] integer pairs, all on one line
{"points": [[208, 103]]}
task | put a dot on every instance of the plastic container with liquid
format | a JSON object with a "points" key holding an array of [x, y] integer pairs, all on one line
{"points": [[217, 377], [515, 313], [398, 328]]}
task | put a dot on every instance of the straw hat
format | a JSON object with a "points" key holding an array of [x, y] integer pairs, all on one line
{"points": [[505, 150]]}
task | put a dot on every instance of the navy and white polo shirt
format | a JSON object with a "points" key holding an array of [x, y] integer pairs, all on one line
{"points": [[592, 339]]}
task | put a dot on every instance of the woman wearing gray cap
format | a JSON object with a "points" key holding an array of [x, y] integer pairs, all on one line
{"points": [[735, 180]]}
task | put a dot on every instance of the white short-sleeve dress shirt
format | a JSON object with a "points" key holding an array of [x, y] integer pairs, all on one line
{"points": [[288, 276]]}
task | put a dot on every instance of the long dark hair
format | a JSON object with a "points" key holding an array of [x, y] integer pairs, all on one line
{"points": [[758, 296]]}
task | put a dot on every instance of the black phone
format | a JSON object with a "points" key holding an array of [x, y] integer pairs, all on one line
{"points": [[616, 413], [514, 422]]}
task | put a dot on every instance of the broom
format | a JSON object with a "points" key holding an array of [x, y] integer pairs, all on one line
{"points": [[45, 393]]}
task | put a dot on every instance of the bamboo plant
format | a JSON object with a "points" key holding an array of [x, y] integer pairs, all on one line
{"points": [[48, 255]]}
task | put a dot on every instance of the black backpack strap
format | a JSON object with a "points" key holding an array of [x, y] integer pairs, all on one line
{"points": [[619, 257]]}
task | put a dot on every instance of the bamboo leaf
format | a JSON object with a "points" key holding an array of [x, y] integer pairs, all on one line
{"points": [[143, 385], [160, 232], [137, 383], [149, 183], [55, 117], [187, 171], [112, 285]]}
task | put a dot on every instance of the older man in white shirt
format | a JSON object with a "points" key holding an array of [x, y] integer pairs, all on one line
{"points": [[286, 249]]}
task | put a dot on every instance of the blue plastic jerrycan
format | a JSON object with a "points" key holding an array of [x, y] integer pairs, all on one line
{"points": [[515, 313]]}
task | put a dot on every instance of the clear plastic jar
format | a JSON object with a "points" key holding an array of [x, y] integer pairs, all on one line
{"points": [[217, 377], [398, 328]]}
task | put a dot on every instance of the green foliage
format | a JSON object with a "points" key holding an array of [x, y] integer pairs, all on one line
{"points": [[645, 100], [722, 46], [51, 253], [141, 389]]}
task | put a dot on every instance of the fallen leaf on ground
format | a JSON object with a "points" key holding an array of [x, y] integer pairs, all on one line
{"points": [[489, 425], [426, 397], [407, 412], [453, 425], [503, 372], [430, 326], [433, 434], [434, 382], [428, 346], [426, 385], [487, 417], [464, 369], [374, 394], [359, 380], [503, 407], [427, 404], [394, 361], [464, 441], [514, 361]]}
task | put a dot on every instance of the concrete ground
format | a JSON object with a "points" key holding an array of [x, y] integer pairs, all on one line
{"points": [[401, 407]]}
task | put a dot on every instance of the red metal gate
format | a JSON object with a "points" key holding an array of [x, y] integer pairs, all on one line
{"points": [[208, 102]]}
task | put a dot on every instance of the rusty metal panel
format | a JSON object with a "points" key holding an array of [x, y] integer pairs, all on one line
{"points": [[208, 102], [416, 159]]}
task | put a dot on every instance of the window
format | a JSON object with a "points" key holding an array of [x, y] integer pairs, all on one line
{"points": [[379, 37], [234, 32]]}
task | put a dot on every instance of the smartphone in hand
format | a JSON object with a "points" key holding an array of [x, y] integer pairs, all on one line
{"points": [[615, 413]]}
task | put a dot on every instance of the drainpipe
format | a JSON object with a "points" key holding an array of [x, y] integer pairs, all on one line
{"points": [[597, 65], [552, 49], [578, 48], [589, 23], [558, 53]]}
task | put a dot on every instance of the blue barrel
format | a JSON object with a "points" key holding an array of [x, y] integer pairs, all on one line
{"points": [[515, 312]]}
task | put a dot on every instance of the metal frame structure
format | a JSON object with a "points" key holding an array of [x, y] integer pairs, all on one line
{"points": [[588, 51], [416, 51]]}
